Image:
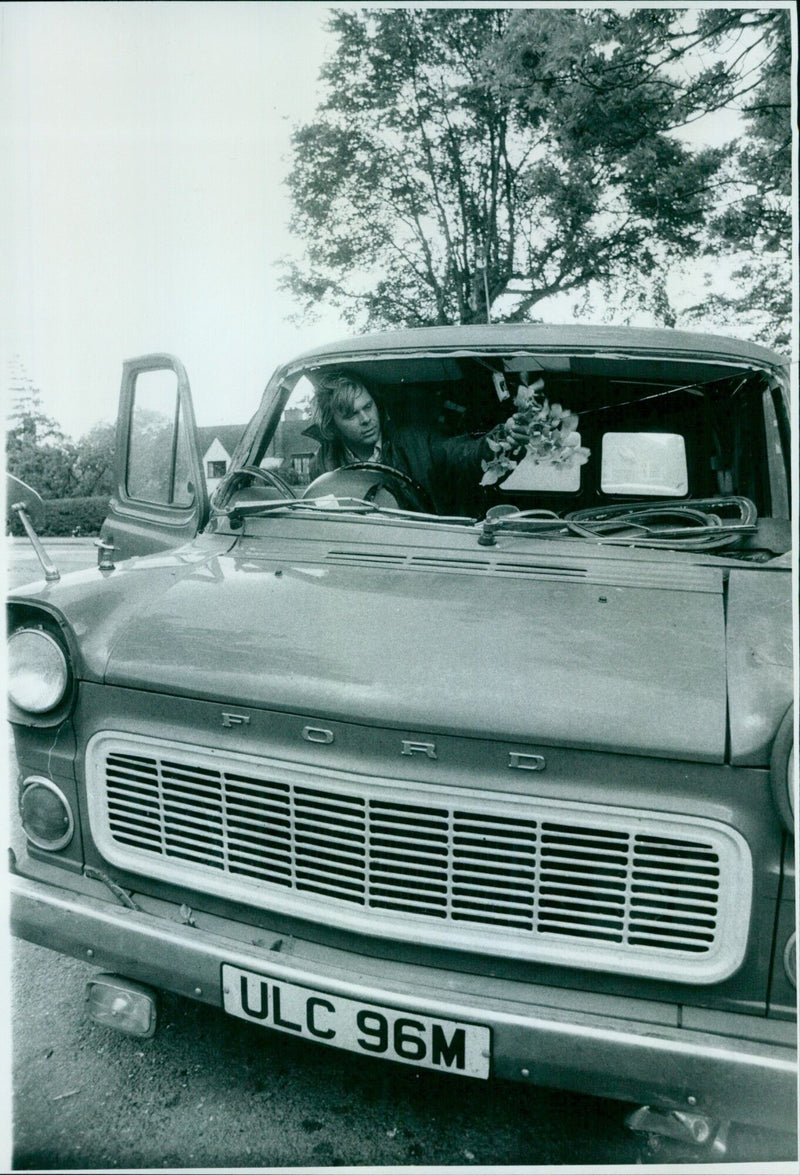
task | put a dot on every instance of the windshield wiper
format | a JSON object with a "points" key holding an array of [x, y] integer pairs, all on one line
{"points": [[336, 507], [692, 525]]}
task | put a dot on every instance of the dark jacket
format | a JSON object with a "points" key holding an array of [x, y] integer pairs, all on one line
{"points": [[449, 468]]}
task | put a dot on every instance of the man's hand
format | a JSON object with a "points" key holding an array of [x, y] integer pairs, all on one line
{"points": [[517, 431]]}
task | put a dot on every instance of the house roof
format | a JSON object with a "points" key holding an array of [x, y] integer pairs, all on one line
{"points": [[228, 436]]}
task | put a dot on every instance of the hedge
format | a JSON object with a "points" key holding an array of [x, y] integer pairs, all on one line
{"points": [[66, 516]]}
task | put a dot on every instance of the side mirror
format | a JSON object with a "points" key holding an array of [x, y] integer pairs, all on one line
{"points": [[25, 502], [18, 493]]}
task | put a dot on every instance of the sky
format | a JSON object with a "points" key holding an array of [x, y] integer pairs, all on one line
{"points": [[147, 147], [149, 144]]}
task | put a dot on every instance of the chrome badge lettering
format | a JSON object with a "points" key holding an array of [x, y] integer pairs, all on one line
{"points": [[522, 762], [413, 748], [317, 734], [235, 719]]}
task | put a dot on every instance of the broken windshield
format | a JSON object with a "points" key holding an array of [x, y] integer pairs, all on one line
{"points": [[687, 450]]}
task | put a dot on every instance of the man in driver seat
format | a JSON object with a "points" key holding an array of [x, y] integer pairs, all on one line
{"points": [[351, 428]]}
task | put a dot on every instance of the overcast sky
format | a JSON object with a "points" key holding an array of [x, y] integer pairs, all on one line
{"points": [[149, 142]]}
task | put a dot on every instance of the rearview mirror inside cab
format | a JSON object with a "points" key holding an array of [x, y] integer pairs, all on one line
{"points": [[644, 463]]}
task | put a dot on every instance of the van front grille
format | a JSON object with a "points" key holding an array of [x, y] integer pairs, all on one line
{"points": [[646, 894]]}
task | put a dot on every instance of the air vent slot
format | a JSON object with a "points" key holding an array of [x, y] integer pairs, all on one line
{"points": [[603, 571], [451, 563], [365, 558]]}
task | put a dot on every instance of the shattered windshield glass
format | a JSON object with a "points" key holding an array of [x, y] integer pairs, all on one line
{"points": [[617, 449]]}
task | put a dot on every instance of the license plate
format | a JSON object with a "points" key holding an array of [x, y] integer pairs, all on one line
{"points": [[430, 1042]]}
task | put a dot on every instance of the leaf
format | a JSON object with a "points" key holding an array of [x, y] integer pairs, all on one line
{"points": [[490, 477], [494, 470]]}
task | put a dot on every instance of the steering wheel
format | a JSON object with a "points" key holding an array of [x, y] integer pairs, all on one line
{"points": [[407, 492], [236, 480]]}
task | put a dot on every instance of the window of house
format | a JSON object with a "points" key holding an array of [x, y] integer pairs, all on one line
{"points": [[301, 464], [217, 468]]}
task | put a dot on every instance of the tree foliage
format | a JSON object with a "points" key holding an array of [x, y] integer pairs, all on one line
{"points": [[94, 469], [42, 455], [65, 517], [467, 161], [37, 451], [754, 222]]}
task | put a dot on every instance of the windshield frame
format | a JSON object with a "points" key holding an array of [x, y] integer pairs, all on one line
{"points": [[693, 356]]}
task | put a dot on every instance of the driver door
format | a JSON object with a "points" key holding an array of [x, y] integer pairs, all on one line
{"points": [[160, 500]]}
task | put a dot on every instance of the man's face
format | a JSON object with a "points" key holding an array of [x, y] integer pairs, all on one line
{"points": [[359, 427]]}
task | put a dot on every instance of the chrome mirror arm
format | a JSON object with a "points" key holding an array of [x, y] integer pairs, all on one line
{"points": [[51, 572]]}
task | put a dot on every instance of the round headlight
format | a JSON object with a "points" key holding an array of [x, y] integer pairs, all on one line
{"points": [[790, 960], [37, 672], [46, 815], [782, 769], [791, 780]]}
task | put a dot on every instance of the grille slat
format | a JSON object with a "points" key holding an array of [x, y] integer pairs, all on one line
{"points": [[178, 837], [423, 877], [237, 825], [481, 885], [131, 837], [409, 902], [264, 844], [533, 874], [421, 889], [467, 899], [350, 878], [145, 779], [121, 803]]}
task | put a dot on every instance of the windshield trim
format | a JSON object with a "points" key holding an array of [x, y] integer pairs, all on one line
{"points": [[317, 507], [316, 360]]}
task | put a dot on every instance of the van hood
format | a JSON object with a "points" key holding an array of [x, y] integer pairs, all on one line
{"points": [[604, 656]]}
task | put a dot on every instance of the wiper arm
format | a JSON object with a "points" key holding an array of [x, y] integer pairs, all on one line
{"points": [[335, 506], [543, 523], [278, 505]]}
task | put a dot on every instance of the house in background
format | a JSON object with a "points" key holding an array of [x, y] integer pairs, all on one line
{"points": [[217, 444], [289, 452], [292, 450]]}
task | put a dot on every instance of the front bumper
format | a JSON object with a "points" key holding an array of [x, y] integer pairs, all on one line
{"points": [[633, 1050]]}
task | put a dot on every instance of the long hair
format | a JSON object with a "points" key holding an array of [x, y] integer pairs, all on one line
{"points": [[337, 392]]}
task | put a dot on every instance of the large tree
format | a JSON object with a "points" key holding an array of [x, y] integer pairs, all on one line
{"points": [[94, 468], [37, 451], [753, 223], [467, 162]]}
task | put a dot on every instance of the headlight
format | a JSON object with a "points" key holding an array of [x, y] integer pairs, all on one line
{"points": [[790, 960], [37, 670], [46, 815], [782, 769], [791, 779]]}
